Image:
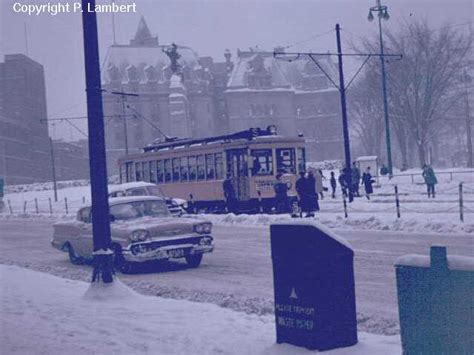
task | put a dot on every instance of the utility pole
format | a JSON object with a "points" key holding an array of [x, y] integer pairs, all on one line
{"points": [[382, 13], [341, 87], [466, 81], [53, 169], [102, 255], [345, 126]]}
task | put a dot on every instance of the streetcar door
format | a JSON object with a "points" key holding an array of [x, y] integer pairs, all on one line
{"points": [[238, 169]]}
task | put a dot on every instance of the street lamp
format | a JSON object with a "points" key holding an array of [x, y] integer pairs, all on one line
{"points": [[382, 13]]}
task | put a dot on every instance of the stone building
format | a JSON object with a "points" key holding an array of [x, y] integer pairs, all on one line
{"points": [[178, 101], [24, 139], [293, 95]]}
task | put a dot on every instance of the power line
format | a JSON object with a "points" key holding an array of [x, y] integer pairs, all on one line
{"points": [[309, 39]]}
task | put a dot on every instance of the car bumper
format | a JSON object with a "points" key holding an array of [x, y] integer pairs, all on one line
{"points": [[142, 252]]}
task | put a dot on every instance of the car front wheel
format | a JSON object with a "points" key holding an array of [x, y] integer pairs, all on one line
{"points": [[194, 260], [73, 257]]}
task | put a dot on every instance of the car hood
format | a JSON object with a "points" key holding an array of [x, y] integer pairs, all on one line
{"points": [[158, 227]]}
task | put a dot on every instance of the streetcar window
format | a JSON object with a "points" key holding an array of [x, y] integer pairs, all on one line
{"points": [[301, 159], [176, 168], [192, 168], [160, 171], [286, 160], [219, 166], [201, 168], [129, 169], [167, 170], [146, 171], [184, 169], [210, 168], [138, 172], [262, 161], [153, 171]]}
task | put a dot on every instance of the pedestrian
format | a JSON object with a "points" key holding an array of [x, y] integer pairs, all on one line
{"points": [[229, 194], [355, 179], [312, 195], [281, 195], [343, 182], [333, 183], [430, 180], [383, 170], [301, 189], [367, 181], [319, 183]]}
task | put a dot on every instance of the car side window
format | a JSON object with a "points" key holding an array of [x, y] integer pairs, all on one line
{"points": [[84, 215], [137, 192]]}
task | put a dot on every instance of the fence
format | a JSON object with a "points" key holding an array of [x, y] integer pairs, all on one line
{"points": [[418, 178]]}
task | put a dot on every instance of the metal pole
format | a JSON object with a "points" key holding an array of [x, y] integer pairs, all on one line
{"points": [[385, 101], [345, 126], [345, 205], [36, 205], [10, 207], [24, 206], [50, 206], [53, 169], [124, 125], [461, 206], [102, 256], [397, 201], [65, 205]]}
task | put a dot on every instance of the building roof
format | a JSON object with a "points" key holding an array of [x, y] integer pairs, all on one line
{"points": [[275, 74]]}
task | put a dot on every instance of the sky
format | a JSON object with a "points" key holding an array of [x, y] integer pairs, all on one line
{"points": [[207, 26]]}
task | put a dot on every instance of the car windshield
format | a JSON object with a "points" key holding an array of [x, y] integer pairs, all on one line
{"points": [[155, 191], [138, 209]]}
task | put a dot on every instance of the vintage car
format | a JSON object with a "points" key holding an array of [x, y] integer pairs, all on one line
{"points": [[142, 229], [177, 206]]}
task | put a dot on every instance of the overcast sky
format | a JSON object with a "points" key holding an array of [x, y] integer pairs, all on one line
{"points": [[208, 26]]}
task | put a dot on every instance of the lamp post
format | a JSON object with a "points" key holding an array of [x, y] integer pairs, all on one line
{"points": [[382, 13]]}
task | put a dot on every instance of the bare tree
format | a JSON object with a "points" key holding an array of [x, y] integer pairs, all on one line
{"points": [[422, 86]]}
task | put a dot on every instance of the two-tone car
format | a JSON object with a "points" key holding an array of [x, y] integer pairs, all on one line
{"points": [[142, 229]]}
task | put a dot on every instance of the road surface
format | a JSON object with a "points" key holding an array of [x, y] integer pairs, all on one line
{"points": [[238, 274]]}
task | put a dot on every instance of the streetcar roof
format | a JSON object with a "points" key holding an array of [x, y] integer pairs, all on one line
{"points": [[247, 135]]}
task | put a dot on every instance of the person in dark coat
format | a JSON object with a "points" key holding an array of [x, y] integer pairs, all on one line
{"points": [[281, 195], [430, 180], [229, 194], [301, 187], [312, 195], [355, 179], [333, 183], [368, 181], [343, 182]]}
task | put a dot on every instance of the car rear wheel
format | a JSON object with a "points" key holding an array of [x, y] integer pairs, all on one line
{"points": [[120, 264], [194, 260], [73, 257]]}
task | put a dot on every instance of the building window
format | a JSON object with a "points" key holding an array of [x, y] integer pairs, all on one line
{"points": [[146, 171], [262, 162]]}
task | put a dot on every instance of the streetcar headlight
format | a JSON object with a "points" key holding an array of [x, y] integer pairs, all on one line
{"points": [[139, 235]]}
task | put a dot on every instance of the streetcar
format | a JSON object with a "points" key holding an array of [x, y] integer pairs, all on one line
{"points": [[195, 169]]}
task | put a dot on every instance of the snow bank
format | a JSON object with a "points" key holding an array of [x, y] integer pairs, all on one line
{"points": [[421, 224], [49, 315]]}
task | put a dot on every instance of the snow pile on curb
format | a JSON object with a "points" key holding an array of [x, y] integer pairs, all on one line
{"points": [[46, 314], [384, 223]]}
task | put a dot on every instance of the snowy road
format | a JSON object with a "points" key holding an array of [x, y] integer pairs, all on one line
{"points": [[238, 274]]}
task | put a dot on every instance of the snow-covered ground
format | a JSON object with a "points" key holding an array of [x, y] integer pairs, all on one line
{"points": [[44, 314], [418, 213]]}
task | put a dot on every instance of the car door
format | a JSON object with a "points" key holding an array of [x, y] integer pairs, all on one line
{"points": [[84, 245]]}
